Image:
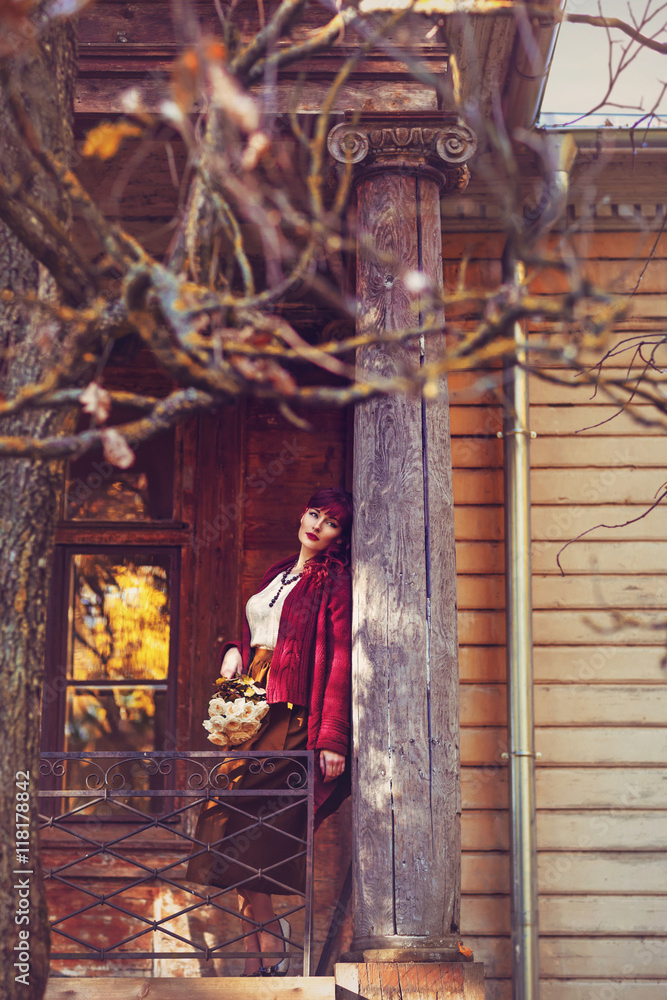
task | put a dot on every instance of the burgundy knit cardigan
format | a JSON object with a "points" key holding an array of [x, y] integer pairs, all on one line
{"points": [[311, 664]]}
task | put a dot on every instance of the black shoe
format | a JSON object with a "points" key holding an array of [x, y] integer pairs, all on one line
{"points": [[280, 969]]}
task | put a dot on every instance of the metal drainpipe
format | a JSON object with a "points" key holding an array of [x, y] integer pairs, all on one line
{"points": [[521, 740], [519, 612], [529, 69]]}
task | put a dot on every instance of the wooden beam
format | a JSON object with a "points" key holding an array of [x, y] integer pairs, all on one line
{"points": [[227, 988], [410, 981], [406, 800]]}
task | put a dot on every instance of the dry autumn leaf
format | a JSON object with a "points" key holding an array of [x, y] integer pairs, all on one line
{"points": [[227, 94], [104, 140], [116, 449], [96, 401], [185, 80]]}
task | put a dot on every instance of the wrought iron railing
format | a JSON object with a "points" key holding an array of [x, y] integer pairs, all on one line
{"points": [[117, 830]]}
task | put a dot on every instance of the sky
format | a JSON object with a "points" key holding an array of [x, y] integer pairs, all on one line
{"points": [[580, 71]]}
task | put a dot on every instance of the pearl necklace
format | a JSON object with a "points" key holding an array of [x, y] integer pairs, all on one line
{"points": [[284, 582]]}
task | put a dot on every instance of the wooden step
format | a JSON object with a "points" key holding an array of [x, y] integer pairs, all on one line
{"points": [[223, 988]]}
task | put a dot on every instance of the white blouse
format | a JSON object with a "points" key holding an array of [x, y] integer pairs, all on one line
{"points": [[263, 620]]}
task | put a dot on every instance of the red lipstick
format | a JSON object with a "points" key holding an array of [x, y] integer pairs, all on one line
{"points": [[312, 537]]}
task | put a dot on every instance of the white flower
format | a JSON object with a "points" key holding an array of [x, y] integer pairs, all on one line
{"points": [[231, 723], [215, 725], [236, 709], [220, 741]]}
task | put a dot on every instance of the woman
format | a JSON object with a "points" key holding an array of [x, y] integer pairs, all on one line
{"points": [[296, 644]]}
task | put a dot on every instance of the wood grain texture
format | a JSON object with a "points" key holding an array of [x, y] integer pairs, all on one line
{"points": [[569, 390], [637, 957], [621, 275], [583, 989], [624, 786], [555, 628], [410, 981], [608, 557], [571, 872], [604, 664], [570, 704], [611, 829], [443, 677], [602, 745], [214, 602], [593, 591], [389, 578], [586, 451], [563, 745], [405, 679], [552, 522], [100, 95], [618, 483], [608, 830], [474, 523], [605, 246], [82, 988], [479, 557], [571, 916]]}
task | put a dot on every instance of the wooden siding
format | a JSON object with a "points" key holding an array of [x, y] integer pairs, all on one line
{"points": [[600, 692]]}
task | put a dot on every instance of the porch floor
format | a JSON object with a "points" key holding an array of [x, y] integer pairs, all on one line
{"points": [[223, 988]]}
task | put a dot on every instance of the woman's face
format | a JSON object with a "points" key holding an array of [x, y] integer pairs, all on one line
{"points": [[317, 530]]}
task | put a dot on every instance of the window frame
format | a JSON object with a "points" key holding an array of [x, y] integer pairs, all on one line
{"points": [[57, 683]]}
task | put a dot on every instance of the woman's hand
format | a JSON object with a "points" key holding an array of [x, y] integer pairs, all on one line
{"points": [[232, 663], [332, 764]]}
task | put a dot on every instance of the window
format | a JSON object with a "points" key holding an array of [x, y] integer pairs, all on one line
{"points": [[98, 491], [117, 647], [113, 615]]}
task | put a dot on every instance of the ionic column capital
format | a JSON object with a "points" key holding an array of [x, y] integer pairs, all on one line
{"points": [[440, 149]]}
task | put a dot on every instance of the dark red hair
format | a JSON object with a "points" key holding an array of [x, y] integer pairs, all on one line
{"points": [[336, 557]]}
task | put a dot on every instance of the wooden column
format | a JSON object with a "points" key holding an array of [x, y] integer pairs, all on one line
{"points": [[406, 791]]}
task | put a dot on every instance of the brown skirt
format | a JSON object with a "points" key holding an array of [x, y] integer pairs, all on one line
{"points": [[240, 844]]}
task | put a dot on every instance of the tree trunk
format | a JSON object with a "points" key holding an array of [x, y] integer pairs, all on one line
{"points": [[31, 346]]}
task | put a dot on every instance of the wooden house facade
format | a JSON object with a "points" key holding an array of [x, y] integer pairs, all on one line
{"points": [[218, 500]]}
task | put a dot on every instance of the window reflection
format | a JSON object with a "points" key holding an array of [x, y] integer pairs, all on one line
{"points": [[119, 634], [115, 718], [98, 491], [119, 618]]}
